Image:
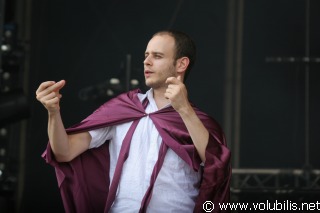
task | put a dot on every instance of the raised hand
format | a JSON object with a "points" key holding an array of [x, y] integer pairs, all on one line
{"points": [[177, 93], [48, 93]]}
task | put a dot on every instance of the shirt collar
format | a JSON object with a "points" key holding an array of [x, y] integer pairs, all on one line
{"points": [[149, 95]]}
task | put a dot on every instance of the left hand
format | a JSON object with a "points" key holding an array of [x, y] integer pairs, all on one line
{"points": [[177, 93]]}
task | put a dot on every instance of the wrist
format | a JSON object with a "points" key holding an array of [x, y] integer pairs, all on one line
{"points": [[186, 111], [53, 113]]}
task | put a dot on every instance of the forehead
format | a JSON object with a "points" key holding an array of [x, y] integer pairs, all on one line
{"points": [[161, 43]]}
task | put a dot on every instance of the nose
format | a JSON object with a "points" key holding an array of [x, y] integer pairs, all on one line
{"points": [[147, 61]]}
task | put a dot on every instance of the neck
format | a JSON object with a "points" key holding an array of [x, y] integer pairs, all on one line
{"points": [[158, 95]]}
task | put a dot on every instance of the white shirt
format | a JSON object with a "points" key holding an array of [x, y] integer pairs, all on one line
{"points": [[175, 187]]}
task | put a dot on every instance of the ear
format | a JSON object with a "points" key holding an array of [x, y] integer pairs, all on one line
{"points": [[182, 64]]}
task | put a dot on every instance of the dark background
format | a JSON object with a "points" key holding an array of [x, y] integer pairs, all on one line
{"points": [[86, 42]]}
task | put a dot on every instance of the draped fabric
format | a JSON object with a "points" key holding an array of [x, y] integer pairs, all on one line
{"points": [[84, 181]]}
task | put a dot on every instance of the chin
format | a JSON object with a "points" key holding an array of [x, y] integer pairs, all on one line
{"points": [[148, 83]]}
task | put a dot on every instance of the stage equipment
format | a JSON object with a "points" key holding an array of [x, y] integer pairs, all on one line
{"points": [[306, 61], [13, 102], [110, 87], [13, 107], [275, 185]]}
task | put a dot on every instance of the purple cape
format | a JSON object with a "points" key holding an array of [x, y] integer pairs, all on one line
{"points": [[84, 181]]}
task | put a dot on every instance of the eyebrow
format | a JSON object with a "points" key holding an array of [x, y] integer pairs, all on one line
{"points": [[154, 53]]}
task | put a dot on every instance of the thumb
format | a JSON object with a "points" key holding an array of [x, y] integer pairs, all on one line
{"points": [[179, 78]]}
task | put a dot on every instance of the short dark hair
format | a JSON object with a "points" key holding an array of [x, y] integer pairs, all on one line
{"points": [[185, 47]]}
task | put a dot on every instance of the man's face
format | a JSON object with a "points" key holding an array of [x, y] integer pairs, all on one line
{"points": [[159, 63]]}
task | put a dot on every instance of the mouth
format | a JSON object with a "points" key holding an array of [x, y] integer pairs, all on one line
{"points": [[147, 73]]}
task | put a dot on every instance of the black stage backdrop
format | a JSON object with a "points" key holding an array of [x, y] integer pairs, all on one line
{"points": [[86, 42]]}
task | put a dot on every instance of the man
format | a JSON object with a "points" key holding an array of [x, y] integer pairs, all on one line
{"points": [[141, 152]]}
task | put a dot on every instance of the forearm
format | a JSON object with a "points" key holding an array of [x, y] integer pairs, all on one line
{"points": [[198, 132], [58, 137], [176, 92], [65, 147]]}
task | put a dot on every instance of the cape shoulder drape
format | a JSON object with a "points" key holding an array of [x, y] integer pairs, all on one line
{"points": [[84, 181]]}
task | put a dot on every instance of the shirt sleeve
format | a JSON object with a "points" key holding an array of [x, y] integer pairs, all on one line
{"points": [[100, 136]]}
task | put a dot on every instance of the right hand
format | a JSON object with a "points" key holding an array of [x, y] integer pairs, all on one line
{"points": [[48, 94]]}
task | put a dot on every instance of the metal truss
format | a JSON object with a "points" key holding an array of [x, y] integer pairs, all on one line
{"points": [[276, 180]]}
